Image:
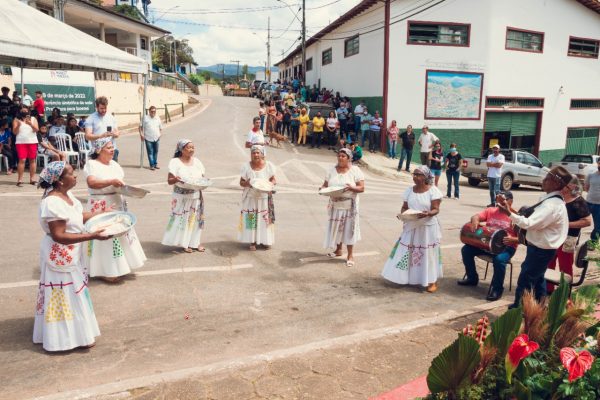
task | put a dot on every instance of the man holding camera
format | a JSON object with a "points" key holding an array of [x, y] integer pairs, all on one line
{"points": [[102, 124]]}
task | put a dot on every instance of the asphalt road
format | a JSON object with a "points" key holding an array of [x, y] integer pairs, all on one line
{"points": [[187, 310]]}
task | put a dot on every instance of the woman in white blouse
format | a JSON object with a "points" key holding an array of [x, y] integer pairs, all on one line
{"points": [[186, 221], [109, 260], [343, 226]]}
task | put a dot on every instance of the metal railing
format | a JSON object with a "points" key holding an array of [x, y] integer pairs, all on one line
{"points": [[156, 79]]}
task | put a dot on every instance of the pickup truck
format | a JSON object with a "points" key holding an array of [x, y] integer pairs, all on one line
{"points": [[579, 165], [520, 168]]}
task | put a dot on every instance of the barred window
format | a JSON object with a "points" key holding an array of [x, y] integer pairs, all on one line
{"points": [[579, 47], [517, 39], [431, 33], [351, 46], [327, 57]]}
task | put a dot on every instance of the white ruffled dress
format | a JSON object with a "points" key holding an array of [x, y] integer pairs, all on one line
{"points": [[256, 224]]}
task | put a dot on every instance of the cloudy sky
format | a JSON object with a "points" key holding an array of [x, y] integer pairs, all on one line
{"points": [[225, 30]]}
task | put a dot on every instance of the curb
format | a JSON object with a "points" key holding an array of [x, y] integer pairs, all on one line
{"points": [[381, 171]]}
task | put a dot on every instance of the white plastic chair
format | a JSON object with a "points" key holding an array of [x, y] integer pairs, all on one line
{"points": [[45, 158], [5, 159], [65, 145], [85, 147]]}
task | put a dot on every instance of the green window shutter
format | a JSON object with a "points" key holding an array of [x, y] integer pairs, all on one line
{"points": [[523, 124], [582, 140], [497, 122]]}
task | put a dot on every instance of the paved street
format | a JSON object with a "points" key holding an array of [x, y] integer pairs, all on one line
{"points": [[185, 311]]}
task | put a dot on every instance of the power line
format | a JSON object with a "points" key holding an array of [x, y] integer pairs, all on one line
{"points": [[203, 11], [250, 28]]}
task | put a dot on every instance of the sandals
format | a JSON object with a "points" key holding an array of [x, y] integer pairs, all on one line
{"points": [[200, 249], [111, 279], [350, 263], [188, 250], [33, 182], [432, 288], [333, 255], [19, 184], [252, 247]]}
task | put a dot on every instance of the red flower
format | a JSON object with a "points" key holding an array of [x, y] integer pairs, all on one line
{"points": [[520, 348], [576, 363]]}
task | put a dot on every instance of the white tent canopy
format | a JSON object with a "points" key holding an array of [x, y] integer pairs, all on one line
{"points": [[29, 38]]}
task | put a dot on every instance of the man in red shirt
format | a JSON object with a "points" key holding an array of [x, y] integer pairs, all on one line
{"points": [[39, 104], [493, 218]]}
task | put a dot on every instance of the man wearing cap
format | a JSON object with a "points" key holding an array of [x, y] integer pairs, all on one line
{"points": [[493, 218], [547, 228], [495, 161]]}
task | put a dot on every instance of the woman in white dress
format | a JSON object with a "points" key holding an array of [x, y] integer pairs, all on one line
{"points": [[257, 216], [64, 315], [416, 259], [113, 259], [343, 227], [186, 221]]}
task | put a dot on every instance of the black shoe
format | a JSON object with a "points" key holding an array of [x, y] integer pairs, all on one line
{"points": [[467, 282], [493, 295], [510, 307], [407, 170], [491, 205]]}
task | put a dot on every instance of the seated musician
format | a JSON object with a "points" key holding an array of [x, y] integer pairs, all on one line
{"points": [[493, 218]]}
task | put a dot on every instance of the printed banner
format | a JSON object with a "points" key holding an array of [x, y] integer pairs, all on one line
{"points": [[70, 91]]}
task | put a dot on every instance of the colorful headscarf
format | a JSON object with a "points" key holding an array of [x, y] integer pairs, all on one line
{"points": [[98, 145], [424, 169], [258, 147], [51, 174], [182, 143], [347, 152]]}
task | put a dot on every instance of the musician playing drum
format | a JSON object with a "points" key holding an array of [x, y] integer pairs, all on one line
{"points": [[495, 219], [547, 227]]}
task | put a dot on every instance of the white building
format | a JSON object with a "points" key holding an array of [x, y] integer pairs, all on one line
{"points": [[524, 74]]}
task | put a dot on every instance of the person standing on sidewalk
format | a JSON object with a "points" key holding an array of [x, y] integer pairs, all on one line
{"points": [[150, 131], [40, 106], [453, 159], [493, 218], [436, 159], [592, 186], [342, 114], [392, 139], [317, 134], [375, 132], [408, 142], [101, 125], [426, 141], [495, 161], [303, 119], [359, 110], [547, 228]]}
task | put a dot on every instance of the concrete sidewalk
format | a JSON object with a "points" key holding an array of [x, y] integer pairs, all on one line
{"points": [[359, 369], [380, 164]]}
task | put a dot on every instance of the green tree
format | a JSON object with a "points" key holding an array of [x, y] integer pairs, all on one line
{"points": [[127, 10], [245, 70], [162, 53]]}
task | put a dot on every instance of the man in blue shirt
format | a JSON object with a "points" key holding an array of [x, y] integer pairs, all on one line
{"points": [[342, 114]]}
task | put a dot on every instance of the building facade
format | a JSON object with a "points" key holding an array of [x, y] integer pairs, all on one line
{"points": [[521, 74]]}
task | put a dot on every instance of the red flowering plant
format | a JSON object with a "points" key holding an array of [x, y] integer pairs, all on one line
{"points": [[543, 350], [576, 363], [520, 349]]}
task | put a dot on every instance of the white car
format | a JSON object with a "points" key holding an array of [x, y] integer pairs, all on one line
{"points": [[579, 165]]}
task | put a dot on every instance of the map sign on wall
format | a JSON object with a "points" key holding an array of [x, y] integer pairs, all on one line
{"points": [[453, 95], [71, 91]]}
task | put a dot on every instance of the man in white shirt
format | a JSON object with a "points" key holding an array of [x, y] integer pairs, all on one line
{"points": [[150, 130], [27, 99], [426, 141], [547, 228], [592, 187], [495, 161], [359, 110], [58, 128], [102, 124], [255, 136]]}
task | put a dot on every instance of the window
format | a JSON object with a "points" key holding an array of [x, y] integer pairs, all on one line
{"points": [[326, 57], [309, 64], [517, 39], [579, 47], [351, 46], [432, 33], [513, 102], [585, 104], [143, 42]]}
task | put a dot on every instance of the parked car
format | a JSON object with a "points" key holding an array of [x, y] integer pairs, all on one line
{"points": [[254, 87], [270, 91], [579, 165], [312, 109], [520, 168], [261, 87]]}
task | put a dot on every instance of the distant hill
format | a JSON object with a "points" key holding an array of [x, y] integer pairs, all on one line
{"points": [[231, 69]]}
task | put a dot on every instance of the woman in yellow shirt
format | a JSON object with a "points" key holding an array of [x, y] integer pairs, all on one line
{"points": [[303, 118]]}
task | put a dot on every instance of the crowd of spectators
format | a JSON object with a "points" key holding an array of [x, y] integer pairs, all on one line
{"points": [[25, 132]]}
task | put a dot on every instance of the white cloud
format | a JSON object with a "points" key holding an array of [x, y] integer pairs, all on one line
{"points": [[213, 44]]}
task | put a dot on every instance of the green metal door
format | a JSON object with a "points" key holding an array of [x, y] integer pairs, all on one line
{"points": [[522, 127], [582, 141]]}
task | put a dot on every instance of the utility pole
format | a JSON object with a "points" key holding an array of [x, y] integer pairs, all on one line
{"points": [[223, 72], [175, 56], [237, 74], [303, 41], [269, 47]]}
